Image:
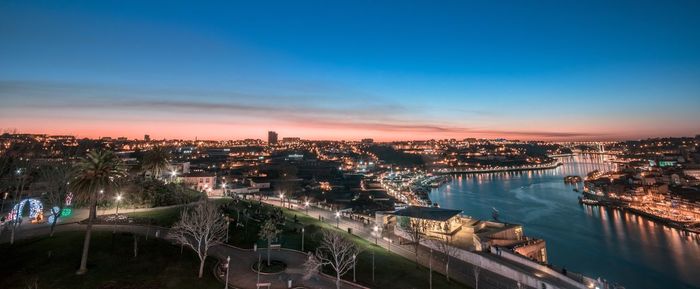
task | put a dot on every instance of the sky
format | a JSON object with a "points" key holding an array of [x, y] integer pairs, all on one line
{"points": [[388, 70]]}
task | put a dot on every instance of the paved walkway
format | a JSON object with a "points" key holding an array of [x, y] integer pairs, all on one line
{"points": [[459, 270], [241, 274]]}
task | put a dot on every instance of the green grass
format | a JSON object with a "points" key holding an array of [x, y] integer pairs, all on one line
{"points": [[163, 217], [52, 262], [391, 270]]}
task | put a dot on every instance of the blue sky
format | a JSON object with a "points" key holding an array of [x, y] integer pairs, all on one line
{"points": [[352, 69]]}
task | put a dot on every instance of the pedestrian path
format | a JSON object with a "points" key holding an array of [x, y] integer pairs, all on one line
{"points": [[241, 274]]}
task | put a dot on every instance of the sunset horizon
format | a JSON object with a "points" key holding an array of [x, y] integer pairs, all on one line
{"points": [[411, 71], [356, 144]]}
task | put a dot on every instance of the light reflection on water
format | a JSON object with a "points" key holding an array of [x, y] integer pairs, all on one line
{"points": [[613, 244]]}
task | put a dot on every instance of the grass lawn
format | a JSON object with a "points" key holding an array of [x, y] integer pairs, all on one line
{"points": [[391, 270], [163, 217], [159, 217], [52, 262]]}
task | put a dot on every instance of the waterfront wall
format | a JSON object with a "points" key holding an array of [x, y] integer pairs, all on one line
{"points": [[506, 271], [519, 259]]}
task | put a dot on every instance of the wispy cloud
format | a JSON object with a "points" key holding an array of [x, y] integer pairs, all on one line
{"points": [[89, 101]]}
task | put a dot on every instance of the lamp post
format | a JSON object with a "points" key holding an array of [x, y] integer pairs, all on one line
{"points": [[4, 196], [282, 200], [376, 233], [173, 175], [119, 198], [302, 239], [354, 262], [337, 219], [307, 207], [228, 224], [228, 261], [258, 269], [116, 213]]}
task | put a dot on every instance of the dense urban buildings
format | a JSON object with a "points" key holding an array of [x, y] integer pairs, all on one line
{"points": [[387, 186]]}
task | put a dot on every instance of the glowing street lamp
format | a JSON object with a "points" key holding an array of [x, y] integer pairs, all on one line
{"points": [[337, 219], [116, 213], [376, 233], [228, 260], [119, 199], [228, 224], [354, 262], [302, 239], [307, 207]]}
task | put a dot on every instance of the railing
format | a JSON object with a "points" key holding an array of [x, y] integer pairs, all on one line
{"points": [[505, 270]]}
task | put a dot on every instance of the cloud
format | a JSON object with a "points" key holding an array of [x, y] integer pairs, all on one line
{"points": [[89, 101]]}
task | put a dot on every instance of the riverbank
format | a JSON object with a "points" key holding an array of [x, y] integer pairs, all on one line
{"points": [[684, 227], [594, 240], [595, 200], [536, 167]]}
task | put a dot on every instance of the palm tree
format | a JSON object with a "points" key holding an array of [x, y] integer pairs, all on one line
{"points": [[97, 171], [156, 161]]}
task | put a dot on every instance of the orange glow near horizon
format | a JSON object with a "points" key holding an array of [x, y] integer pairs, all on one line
{"points": [[204, 129]]}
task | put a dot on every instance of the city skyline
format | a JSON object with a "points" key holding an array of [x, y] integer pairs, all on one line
{"points": [[409, 71]]}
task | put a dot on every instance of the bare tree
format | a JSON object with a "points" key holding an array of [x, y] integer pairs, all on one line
{"points": [[269, 232], [416, 229], [22, 173], [335, 251], [311, 266], [57, 181], [443, 245], [199, 228]]}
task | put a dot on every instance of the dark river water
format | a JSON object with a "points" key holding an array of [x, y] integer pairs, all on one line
{"points": [[595, 241]]}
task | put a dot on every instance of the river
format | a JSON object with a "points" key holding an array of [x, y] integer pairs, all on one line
{"points": [[618, 246]]}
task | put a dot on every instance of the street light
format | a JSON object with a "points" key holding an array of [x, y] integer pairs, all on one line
{"points": [[282, 199], [119, 198], [354, 262], [228, 260], [337, 219], [307, 207], [302, 239], [228, 224], [4, 196], [376, 234], [116, 214]]}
